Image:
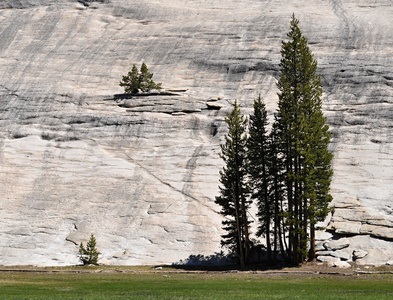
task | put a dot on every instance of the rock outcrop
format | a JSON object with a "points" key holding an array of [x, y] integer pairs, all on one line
{"points": [[142, 173]]}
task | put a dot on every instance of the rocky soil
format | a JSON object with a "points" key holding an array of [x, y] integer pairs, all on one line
{"points": [[142, 173]]}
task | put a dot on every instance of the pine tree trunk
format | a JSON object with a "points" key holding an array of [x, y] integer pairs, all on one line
{"points": [[312, 255], [305, 227], [283, 245], [283, 241], [239, 232], [246, 236], [268, 244], [303, 201], [239, 199], [275, 238], [291, 238], [268, 216], [298, 217]]}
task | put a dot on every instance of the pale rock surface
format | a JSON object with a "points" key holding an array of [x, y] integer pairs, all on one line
{"points": [[319, 247], [364, 250], [323, 236], [357, 254], [330, 260], [342, 264], [335, 245], [142, 174], [342, 254]]}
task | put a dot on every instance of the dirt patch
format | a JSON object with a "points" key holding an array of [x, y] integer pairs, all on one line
{"points": [[307, 269]]}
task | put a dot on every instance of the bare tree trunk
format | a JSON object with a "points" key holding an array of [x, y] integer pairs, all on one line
{"points": [[312, 255], [246, 235], [275, 240], [268, 244], [239, 232], [283, 242]]}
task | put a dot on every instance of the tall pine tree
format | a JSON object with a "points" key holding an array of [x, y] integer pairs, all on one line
{"points": [[234, 194], [277, 194], [302, 138], [259, 161], [317, 170]]}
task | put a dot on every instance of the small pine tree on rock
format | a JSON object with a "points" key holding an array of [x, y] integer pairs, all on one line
{"points": [[146, 81], [89, 255], [136, 81], [130, 82]]}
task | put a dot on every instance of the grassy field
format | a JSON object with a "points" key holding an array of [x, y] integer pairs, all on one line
{"points": [[149, 283]]}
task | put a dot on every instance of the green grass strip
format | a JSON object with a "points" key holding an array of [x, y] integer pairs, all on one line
{"points": [[210, 285]]}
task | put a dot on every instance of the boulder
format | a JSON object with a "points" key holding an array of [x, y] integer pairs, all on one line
{"points": [[346, 227], [343, 255], [342, 264], [104, 262], [328, 260], [335, 245], [325, 253], [323, 236], [376, 257], [319, 247], [358, 254], [378, 231]]}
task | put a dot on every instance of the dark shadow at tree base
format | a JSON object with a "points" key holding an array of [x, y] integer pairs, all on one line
{"points": [[225, 263]]}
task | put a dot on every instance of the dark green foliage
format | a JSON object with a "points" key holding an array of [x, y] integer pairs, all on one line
{"points": [[259, 162], [277, 194], [288, 171], [130, 82], [234, 199], [136, 81], [89, 255], [146, 81], [302, 140]]}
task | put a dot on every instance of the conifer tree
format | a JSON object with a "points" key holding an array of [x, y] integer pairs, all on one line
{"points": [[146, 80], [136, 81], [233, 197], [89, 255], [130, 82], [259, 161], [302, 138], [276, 193], [318, 172]]}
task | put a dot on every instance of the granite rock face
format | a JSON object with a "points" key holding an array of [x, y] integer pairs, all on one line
{"points": [[142, 173]]}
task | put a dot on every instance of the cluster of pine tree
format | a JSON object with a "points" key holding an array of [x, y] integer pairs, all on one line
{"points": [[136, 81], [286, 171]]}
